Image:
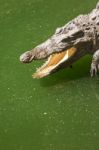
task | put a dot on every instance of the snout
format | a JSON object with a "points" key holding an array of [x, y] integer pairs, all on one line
{"points": [[26, 57]]}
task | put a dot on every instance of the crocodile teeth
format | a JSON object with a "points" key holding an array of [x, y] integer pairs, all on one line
{"points": [[53, 62]]}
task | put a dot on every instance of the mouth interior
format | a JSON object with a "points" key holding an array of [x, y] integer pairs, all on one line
{"points": [[53, 62]]}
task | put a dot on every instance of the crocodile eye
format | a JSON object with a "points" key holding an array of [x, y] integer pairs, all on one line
{"points": [[68, 39], [78, 34], [73, 37], [63, 40]]}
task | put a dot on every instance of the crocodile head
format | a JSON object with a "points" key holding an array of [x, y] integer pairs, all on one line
{"points": [[60, 49]]}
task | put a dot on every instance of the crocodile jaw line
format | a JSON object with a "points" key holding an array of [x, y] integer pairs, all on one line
{"points": [[53, 62]]}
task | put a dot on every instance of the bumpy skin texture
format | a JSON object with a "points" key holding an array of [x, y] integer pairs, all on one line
{"points": [[82, 33]]}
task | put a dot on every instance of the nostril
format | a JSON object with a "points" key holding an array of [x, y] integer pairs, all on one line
{"points": [[26, 57]]}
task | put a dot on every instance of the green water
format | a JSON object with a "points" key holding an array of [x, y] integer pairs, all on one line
{"points": [[60, 112]]}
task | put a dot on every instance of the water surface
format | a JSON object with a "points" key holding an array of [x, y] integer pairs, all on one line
{"points": [[60, 112]]}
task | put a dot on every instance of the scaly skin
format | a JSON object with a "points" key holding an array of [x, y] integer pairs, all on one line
{"points": [[81, 33]]}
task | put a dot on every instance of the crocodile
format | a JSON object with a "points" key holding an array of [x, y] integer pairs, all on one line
{"points": [[78, 37]]}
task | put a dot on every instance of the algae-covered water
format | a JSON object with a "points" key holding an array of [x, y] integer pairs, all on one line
{"points": [[59, 112]]}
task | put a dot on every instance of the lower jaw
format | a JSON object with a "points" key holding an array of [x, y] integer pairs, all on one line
{"points": [[53, 62]]}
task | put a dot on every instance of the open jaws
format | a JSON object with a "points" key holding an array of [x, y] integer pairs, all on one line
{"points": [[53, 62]]}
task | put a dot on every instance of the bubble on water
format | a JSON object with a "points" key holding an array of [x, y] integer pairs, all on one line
{"points": [[56, 130], [45, 113], [5, 130], [75, 114], [8, 12], [34, 11], [8, 88], [95, 133], [47, 131], [50, 117], [62, 122], [58, 100], [82, 95], [13, 95], [4, 109], [31, 96], [40, 26], [86, 110], [34, 89]]}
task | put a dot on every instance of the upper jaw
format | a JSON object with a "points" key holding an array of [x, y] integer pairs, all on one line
{"points": [[42, 52], [55, 44]]}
